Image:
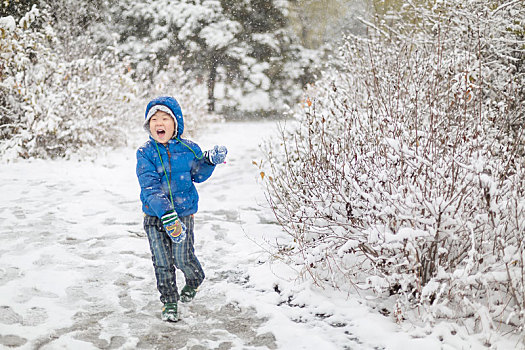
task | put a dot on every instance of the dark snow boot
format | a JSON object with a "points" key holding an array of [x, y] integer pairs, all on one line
{"points": [[169, 312], [187, 294]]}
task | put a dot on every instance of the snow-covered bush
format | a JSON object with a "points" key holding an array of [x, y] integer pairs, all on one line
{"points": [[51, 106], [404, 172]]}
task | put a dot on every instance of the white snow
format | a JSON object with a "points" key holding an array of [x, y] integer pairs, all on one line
{"points": [[76, 271], [219, 35], [7, 23]]}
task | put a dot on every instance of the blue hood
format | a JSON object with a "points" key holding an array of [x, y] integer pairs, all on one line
{"points": [[173, 106]]}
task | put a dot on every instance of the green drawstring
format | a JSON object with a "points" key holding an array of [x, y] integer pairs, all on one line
{"points": [[165, 173], [191, 149]]}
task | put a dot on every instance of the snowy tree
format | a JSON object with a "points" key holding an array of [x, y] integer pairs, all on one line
{"points": [[403, 174], [321, 22], [80, 25], [241, 45], [52, 104], [16, 8], [63, 86]]}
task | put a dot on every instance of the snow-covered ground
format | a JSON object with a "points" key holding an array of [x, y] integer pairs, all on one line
{"points": [[76, 272]]}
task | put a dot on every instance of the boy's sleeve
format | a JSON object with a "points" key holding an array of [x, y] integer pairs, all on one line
{"points": [[150, 184], [200, 169]]}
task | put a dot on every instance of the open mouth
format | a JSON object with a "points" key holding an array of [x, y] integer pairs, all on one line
{"points": [[161, 133]]}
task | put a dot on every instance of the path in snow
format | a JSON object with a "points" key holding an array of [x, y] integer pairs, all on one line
{"points": [[75, 266]]}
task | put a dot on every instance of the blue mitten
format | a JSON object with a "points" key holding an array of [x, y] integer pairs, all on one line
{"points": [[173, 226], [217, 155]]}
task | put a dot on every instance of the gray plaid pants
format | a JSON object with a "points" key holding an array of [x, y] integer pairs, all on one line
{"points": [[167, 256]]}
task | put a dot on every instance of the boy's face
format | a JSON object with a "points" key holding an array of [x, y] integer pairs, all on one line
{"points": [[162, 127]]}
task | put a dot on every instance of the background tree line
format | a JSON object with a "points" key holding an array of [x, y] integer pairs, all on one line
{"points": [[71, 67], [234, 58]]}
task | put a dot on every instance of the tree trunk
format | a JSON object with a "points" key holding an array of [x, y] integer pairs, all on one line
{"points": [[211, 85]]}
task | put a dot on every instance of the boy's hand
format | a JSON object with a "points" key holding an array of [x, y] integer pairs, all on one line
{"points": [[217, 155], [173, 226]]}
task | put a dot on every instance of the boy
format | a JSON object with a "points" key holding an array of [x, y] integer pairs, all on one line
{"points": [[167, 167]]}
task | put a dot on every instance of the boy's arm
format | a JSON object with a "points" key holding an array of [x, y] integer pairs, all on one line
{"points": [[209, 159], [150, 184], [201, 170]]}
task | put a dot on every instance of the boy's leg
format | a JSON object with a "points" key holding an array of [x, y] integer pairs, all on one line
{"points": [[185, 258], [163, 262]]}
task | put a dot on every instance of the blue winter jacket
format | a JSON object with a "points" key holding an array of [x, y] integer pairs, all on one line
{"points": [[183, 164]]}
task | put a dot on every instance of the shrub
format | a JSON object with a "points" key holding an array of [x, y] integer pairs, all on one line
{"points": [[403, 173], [51, 106]]}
